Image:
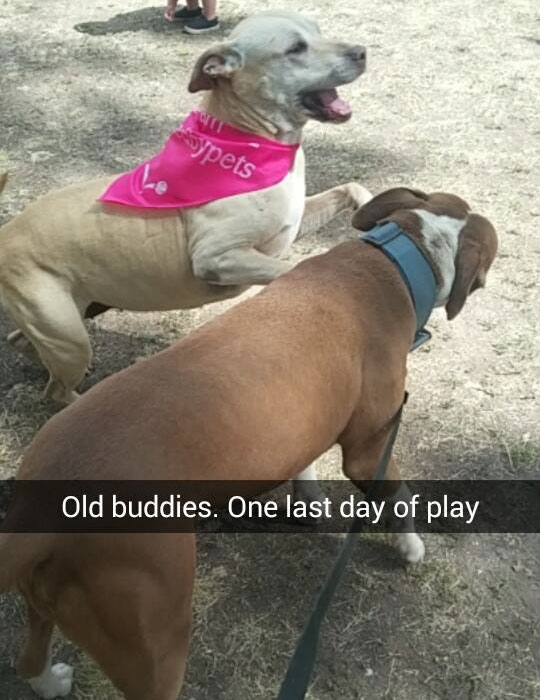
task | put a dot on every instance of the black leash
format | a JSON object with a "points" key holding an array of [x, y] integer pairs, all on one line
{"points": [[300, 670]]}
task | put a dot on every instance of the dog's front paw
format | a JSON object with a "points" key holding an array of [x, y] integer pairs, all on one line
{"points": [[312, 496], [359, 195], [54, 682], [411, 547]]}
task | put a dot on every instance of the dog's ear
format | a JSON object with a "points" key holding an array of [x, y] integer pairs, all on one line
{"points": [[385, 204], [219, 61], [477, 248]]}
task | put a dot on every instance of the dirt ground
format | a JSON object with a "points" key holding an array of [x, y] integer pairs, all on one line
{"points": [[450, 101]]}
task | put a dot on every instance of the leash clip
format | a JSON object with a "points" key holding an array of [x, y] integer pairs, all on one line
{"points": [[422, 336]]}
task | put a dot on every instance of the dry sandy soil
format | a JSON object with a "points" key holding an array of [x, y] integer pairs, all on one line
{"points": [[451, 102]]}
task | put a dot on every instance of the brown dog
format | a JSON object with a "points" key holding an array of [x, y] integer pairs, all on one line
{"points": [[318, 357]]}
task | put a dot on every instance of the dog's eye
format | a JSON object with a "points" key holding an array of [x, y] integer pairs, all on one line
{"points": [[297, 48]]}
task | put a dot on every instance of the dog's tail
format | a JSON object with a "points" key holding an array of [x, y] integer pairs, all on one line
{"points": [[20, 553], [3, 180]]}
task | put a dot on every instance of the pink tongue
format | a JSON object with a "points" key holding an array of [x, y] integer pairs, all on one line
{"points": [[332, 101]]}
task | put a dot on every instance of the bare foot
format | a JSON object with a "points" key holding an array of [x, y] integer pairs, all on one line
{"points": [[170, 10]]}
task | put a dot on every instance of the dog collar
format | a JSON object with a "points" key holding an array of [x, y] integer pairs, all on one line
{"points": [[413, 267]]}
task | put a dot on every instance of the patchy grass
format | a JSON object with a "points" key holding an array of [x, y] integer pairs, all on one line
{"points": [[525, 456]]}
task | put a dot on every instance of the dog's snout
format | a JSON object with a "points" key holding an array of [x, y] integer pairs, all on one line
{"points": [[357, 54]]}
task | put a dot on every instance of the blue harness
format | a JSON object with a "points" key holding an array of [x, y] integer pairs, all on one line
{"points": [[413, 267]]}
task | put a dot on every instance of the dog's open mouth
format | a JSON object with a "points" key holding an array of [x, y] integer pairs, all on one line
{"points": [[327, 105]]}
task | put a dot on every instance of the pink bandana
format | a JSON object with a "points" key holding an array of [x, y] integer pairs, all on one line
{"points": [[203, 160]]}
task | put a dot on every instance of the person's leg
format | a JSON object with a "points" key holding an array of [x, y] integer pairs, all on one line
{"points": [[190, 10], [209, 8], [170, 10]]}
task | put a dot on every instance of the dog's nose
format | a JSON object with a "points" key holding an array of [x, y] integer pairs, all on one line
{"points": [[357, 54]]}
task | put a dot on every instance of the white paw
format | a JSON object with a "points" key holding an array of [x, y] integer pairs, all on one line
{"points": [[310, 494], [54, 682], [411, 547], [359, 195]]}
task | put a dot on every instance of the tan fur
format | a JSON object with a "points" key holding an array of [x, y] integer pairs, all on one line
{"points": [[67, 252]]}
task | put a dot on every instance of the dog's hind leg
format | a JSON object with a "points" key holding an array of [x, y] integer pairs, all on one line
{"points": [[129, 608], [35, 654], [49, 318], [22, 344], [35, 664]]}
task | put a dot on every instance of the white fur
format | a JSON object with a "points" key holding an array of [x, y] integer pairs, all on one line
{"points": [[307, 474], [54, 682], [293, 211], [306, 486], [410, 546], [441, 236]]}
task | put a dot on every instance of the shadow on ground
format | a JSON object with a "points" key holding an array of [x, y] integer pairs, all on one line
{"points": [[148, 19], [22, 380]]}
